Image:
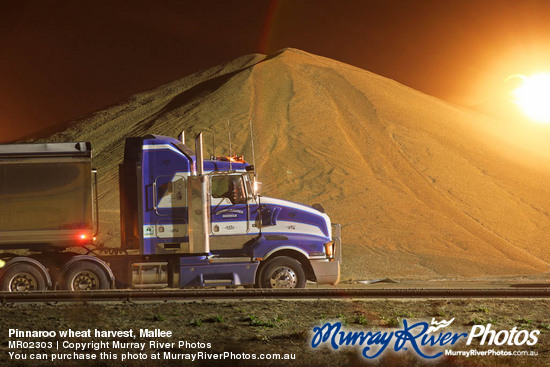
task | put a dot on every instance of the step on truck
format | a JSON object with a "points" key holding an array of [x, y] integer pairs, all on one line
{"points": [[186, 221]]}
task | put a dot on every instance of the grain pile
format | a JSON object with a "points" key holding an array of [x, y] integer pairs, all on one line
{"points": [[422, 188]]}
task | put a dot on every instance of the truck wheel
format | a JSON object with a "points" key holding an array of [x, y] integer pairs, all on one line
{"points": [[22, 278], [283, 272], [85, 276]]}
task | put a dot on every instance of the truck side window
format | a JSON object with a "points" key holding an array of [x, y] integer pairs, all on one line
{"points": [[231, 187], [171, 194]]}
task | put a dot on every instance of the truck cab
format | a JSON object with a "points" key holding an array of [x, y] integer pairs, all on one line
{"points": [[259, 240]]}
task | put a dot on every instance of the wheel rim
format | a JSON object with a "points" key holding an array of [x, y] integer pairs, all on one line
{"points": [[85, 281], [283, 277], [23, 282]]}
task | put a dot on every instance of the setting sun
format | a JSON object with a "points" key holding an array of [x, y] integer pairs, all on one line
{"points": [[533, 96]]}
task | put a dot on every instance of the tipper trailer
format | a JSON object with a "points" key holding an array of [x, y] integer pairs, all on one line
{"points": [[185, 222]]}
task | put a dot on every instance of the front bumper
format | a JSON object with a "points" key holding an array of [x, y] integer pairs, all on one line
{"points": [[326, 271]]}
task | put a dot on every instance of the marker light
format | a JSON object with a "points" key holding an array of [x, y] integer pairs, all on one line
{"points": [[82, 236], [329, 249]]}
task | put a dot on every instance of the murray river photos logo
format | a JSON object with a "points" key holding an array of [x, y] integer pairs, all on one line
{"points": [[428, 341]]}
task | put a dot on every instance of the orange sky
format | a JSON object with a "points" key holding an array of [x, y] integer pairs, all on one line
{"points": [[60, 60]]}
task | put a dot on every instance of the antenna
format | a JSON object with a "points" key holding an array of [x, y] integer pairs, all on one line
{"points": [[213, 145], [253, 155], [229, 133]]}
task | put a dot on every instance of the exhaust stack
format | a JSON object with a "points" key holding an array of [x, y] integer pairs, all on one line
{"points": [[198, 196], [199, 153]]}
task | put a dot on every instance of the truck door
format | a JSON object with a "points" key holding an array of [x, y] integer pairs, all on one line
{"points": [[233, 212]]}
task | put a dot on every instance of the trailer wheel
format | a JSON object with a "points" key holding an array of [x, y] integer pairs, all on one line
{"points": [[85, 276], [283, 272], [22, 278]]}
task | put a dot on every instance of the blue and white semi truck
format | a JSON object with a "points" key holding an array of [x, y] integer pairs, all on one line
{"points": [[185, 222]]}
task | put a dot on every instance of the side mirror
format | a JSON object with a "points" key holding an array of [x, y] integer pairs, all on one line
{"points": [[256, 187]]}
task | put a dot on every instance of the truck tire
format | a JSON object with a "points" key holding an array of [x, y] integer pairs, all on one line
{"points": [[85, 276], [282, 272], [21, 277]]}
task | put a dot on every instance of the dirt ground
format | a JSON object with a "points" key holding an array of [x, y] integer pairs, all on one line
{"points": [[278, 326]]}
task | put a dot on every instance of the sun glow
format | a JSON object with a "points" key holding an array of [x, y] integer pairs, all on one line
{"points": [[533, 96]]}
